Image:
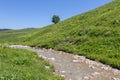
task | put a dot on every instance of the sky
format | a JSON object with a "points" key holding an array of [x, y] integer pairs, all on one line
{"points": [[19, 14]]}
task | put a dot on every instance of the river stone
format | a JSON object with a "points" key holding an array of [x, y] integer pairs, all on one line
{"points": [[75, 61], [115, 78], [86, 78]]}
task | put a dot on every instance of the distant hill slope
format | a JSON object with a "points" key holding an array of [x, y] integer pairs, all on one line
{"points": [[14, 36], [94, 34], [5, 29]]}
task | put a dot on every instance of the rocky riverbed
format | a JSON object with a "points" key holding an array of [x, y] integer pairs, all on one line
{"points": [[74, 67]]}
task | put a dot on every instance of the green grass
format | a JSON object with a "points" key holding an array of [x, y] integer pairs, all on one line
{"points": [[94, 34], [14, 36], [19, 64]]}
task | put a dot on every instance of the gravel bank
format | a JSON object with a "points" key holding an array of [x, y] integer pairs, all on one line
{"points": [[74, 67]]}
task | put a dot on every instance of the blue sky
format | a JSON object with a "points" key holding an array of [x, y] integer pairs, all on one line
{"points": [[18, 14]]}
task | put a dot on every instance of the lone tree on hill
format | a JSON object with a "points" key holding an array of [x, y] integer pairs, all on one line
{"points": [[55, 19]]}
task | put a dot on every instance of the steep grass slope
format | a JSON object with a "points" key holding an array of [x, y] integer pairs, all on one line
{"points": [[18, 64], [94, 34]]}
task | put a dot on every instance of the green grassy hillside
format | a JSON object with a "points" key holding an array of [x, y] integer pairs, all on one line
{"points": [[18, 64], [14, 36], [94, 34]]}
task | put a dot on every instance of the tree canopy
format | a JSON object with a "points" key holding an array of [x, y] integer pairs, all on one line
{"points": [[55, 19]]}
